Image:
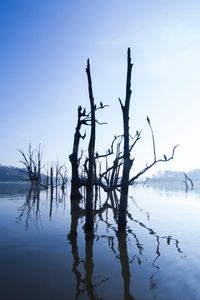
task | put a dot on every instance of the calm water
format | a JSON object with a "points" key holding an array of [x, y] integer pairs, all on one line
{"points": [[44, 253]]}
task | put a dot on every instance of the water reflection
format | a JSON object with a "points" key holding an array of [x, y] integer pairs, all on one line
{"points": [[10, 189], [30, 210], [124, 260], [120, 244], [172, 187], [85, 283], [142, 263]]}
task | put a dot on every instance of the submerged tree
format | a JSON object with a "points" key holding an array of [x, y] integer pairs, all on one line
{"points": [[32, 161], [127, 161], [88, 119], [126, 153], [74, 157], [116, 176], [56, 174], [91, 159]]}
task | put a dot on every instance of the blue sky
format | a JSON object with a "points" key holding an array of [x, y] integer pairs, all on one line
{"points": [[43, 52]]}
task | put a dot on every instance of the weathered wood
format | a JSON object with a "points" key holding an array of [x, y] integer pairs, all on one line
{"points": [[89, 223], [32, 162], [109, 179], [75, 181], [126, 153]]}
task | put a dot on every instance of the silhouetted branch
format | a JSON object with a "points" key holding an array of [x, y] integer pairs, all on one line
{"points": [[152, 164], [188, 179], [153, 139], [32, 162], [140, 209]]}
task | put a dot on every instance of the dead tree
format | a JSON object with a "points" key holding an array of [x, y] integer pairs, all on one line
{"points": [[108, 179], [155, 159], [63, 176], [57, 169], [74, 159], [89, 222], [45, 183], [116, 176], [39, 162], [51, 181], [87, 119], [126, 155], [186, 179], [32, 161], [84, 119], [123, 158]]}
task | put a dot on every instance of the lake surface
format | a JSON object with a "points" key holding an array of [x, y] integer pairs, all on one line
{"points": [[45, 254]]}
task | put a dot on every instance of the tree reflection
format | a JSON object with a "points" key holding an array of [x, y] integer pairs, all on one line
{"points": [[117, 243], [89, 264], [124, 260], [85, 284], [30, 210], [126, 247]]}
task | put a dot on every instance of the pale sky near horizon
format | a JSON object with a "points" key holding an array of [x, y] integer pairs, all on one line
{"points": [[43, 52]]}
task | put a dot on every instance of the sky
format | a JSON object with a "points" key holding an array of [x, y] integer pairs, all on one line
{"points": [[43, 53]]}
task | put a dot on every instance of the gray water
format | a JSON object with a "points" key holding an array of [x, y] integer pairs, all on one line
{"points": [[44, 253]]}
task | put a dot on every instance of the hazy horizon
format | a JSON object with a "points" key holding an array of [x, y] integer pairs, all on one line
{"points": [[44, 48]]}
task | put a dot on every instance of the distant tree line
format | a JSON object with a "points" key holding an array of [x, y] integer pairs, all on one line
{"points": [[175, 175], [10, 174]]}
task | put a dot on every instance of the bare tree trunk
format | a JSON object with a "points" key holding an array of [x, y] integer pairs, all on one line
{"points": [[39, 158], [51, 181], [35, 177], [89, 225], [75, 215], [127, 161], [75, 181]]}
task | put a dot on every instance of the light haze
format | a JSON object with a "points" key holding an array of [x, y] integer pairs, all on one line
{"points": [[43, 52]]}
